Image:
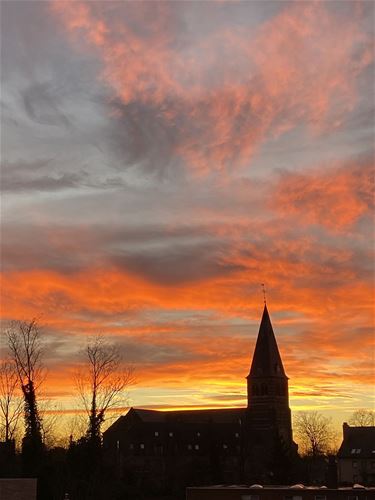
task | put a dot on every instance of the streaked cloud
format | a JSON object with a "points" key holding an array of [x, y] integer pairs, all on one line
{"points": [[224, 94]]}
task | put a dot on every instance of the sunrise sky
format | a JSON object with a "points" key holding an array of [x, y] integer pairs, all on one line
{"points": [[161, 160]]}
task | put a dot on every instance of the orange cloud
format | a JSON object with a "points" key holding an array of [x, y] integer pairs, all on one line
{"points": [[333, 197], [182, 299], [181, 350], [226, 93]]}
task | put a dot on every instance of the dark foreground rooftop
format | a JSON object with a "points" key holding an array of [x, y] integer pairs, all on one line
{"points": [[294, 492]]}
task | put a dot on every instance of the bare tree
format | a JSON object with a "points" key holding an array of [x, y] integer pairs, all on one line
{"points": [[102, 383], [363, 418], [25, 346], [10, 401], [74, 427], [314, 432], [50, 417]]}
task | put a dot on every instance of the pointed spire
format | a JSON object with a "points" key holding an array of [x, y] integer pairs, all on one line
{"points": [[266, 360]]}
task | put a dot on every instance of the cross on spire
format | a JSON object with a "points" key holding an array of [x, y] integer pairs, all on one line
{"points": [[264, 294]]}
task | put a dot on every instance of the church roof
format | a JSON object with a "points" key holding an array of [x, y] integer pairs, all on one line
{"points": [[266, 360], [219, 416]]}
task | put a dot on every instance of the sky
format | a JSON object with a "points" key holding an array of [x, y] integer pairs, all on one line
{"points": [[161, 160]]}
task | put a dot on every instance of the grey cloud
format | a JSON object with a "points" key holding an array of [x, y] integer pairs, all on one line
{"points": [[37, 175], [49, 175], [158, 253], [172, 265], [41, 102], [142, 137], [58, 350], [145, 353], [45, 183]]}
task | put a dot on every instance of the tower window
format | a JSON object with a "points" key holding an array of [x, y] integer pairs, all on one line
{"points": [[156, 434], [255, 390], [264, 389]]}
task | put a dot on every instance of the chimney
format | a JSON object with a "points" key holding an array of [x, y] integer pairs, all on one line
{"points": [[345, 430]]}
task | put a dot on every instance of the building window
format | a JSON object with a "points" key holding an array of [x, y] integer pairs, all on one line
{"points": [[142, 446], [255, 390], [355, 464], [293, 497], [156, 434], [190, 447], [249, 497], [320, 497], [196, 446], [225, 447], [170, 434], [264, 389], [131, 446], [118, 444], [353, 497], [237, 435], [356, 451], [198, 434]]}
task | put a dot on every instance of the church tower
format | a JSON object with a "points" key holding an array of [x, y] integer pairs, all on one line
{"points": [[267, 386]]}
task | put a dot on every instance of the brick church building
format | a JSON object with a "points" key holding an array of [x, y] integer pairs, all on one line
{"points": [[177, 448]]}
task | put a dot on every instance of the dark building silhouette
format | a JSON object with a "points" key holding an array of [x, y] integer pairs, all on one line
{"points": [[211, 446], [356, 456]]}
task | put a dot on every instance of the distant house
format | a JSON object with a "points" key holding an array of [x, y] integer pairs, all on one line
{"points": [[356, 456], [221, 445]]}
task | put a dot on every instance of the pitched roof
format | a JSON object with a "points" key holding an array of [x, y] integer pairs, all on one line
{"points": [[358, 442], [215, 416], [266, 360], [218, 416]]}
